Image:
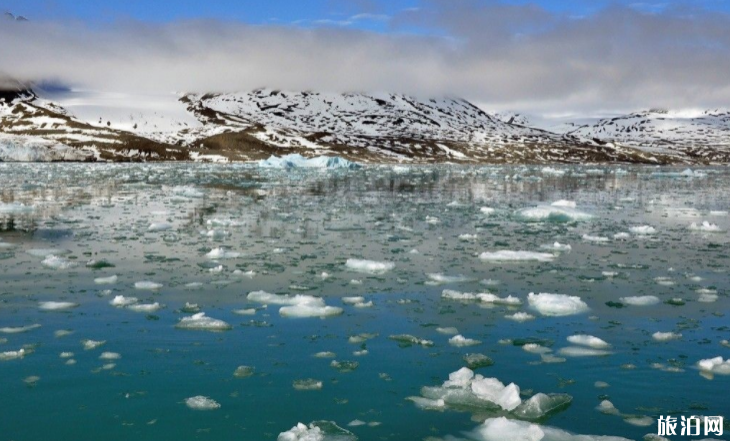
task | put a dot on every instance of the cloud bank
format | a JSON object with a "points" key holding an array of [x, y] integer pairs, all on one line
{"points": [[509, 57]]}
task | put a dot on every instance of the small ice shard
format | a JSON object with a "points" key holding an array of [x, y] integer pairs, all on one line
{"points": [[199, 322], [66, 354], [451, 294], [307, 384], [353, 300], [491, 389], [249, 311], [12, 355], [159, 226], [147, 285], [369, 266], [110, 356], [92, 344], [325, 354], [552, 213], [666, 336], [427, 403], [19, 329], [589, 341], [460, 341], [121, 301], [643, 230], [557, 305], [106, 280], [705, 227], [56, 306], [640, 300], [243, 372], [487, 211], [468, 237], [145, 307], [222, 253], [608, 408], [32, 380], [594, 238], [202, 403], [309, 310], [557, 246], [564, 203], [516, 256], [621, 236], [57, 262], [440, 279]]}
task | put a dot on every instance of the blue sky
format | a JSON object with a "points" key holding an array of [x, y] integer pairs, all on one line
{"points": [[361, 14]]}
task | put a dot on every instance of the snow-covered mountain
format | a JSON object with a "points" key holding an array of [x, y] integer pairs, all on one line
{"points": [[702, 135], [82, 125]]}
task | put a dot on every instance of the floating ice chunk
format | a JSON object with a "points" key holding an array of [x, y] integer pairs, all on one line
{"points": [[640, 421], [62, 333], [243, 372], [516, 256], [307, 384], [408, 339], [461, 378], [15, 208], [92, 344], [460, 341], [468, 237], [482, 297], [369, 266], [66, 354], [309, 310], [557, 246], [520, 317], [145, 307], [621, 236], [640, 300], [608, 408], [12, 355], [715, 366], [487, 211], [222, 253], [541, 405], [249, 311], [552, 213], [502, 429], [266, 298], [110, 356], [296, 160], [199, 322], [596, 239], [106, 280], [427, 403], [19, 329], [577, 351], [440, 279], [491, 389], [121, 301], [147, 285], [57, 262], [188, 191], [475, 361], [535, 348], [564, 203], [317, 431], [707, 295], [557, 305], [159, 226], [666, 336], [447, 331], [643, 230], [705, 227], [344, 366], [325, 354], [353, 300], [552, 171], [589, 341], [56, 306], [202, 403]]}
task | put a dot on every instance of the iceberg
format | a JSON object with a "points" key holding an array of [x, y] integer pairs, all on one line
{"points": [[298, 161]]}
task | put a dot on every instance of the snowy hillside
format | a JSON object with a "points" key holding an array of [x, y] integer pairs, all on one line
{"points": [[704, 134], [84, 125]]}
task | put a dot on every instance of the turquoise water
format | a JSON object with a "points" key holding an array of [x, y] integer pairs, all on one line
{"points": [[281, 230]]}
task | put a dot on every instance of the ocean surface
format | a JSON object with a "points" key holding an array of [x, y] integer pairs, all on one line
{"points": [[350, 296]]}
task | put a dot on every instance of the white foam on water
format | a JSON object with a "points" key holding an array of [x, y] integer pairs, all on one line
{"points": [[460, 341], [666, 336], [106, 280], [589, 341], [640, 300], [201, 403], [516, 256], [200, 322], [56, 306], [557, 305], [147, 285], [121, 301], [369, 266]]}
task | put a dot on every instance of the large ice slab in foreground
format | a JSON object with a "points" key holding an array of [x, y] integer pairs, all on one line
{"points": [[298, 161]]}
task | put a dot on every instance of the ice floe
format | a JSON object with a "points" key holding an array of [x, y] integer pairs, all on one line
{"points": [[715, 366], [56, 306], [201, 403], [553, 213], [222, 253], [200, 322], [106, 280], [121, 301], [317, 431], [557, 305], [147, 285], [369, 266], [557, 246], [503, 429], [92, 344], [451, 294], [19, 329], [296, 160], [705, 227], [57, 262], [145, 307], [640, 300], [516, 256], [589, 341], [460, 341], [643, 230], [666, 336], [12, 355]]}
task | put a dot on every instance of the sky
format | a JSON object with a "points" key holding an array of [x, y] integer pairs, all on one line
{"points": [[542, 56]]}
